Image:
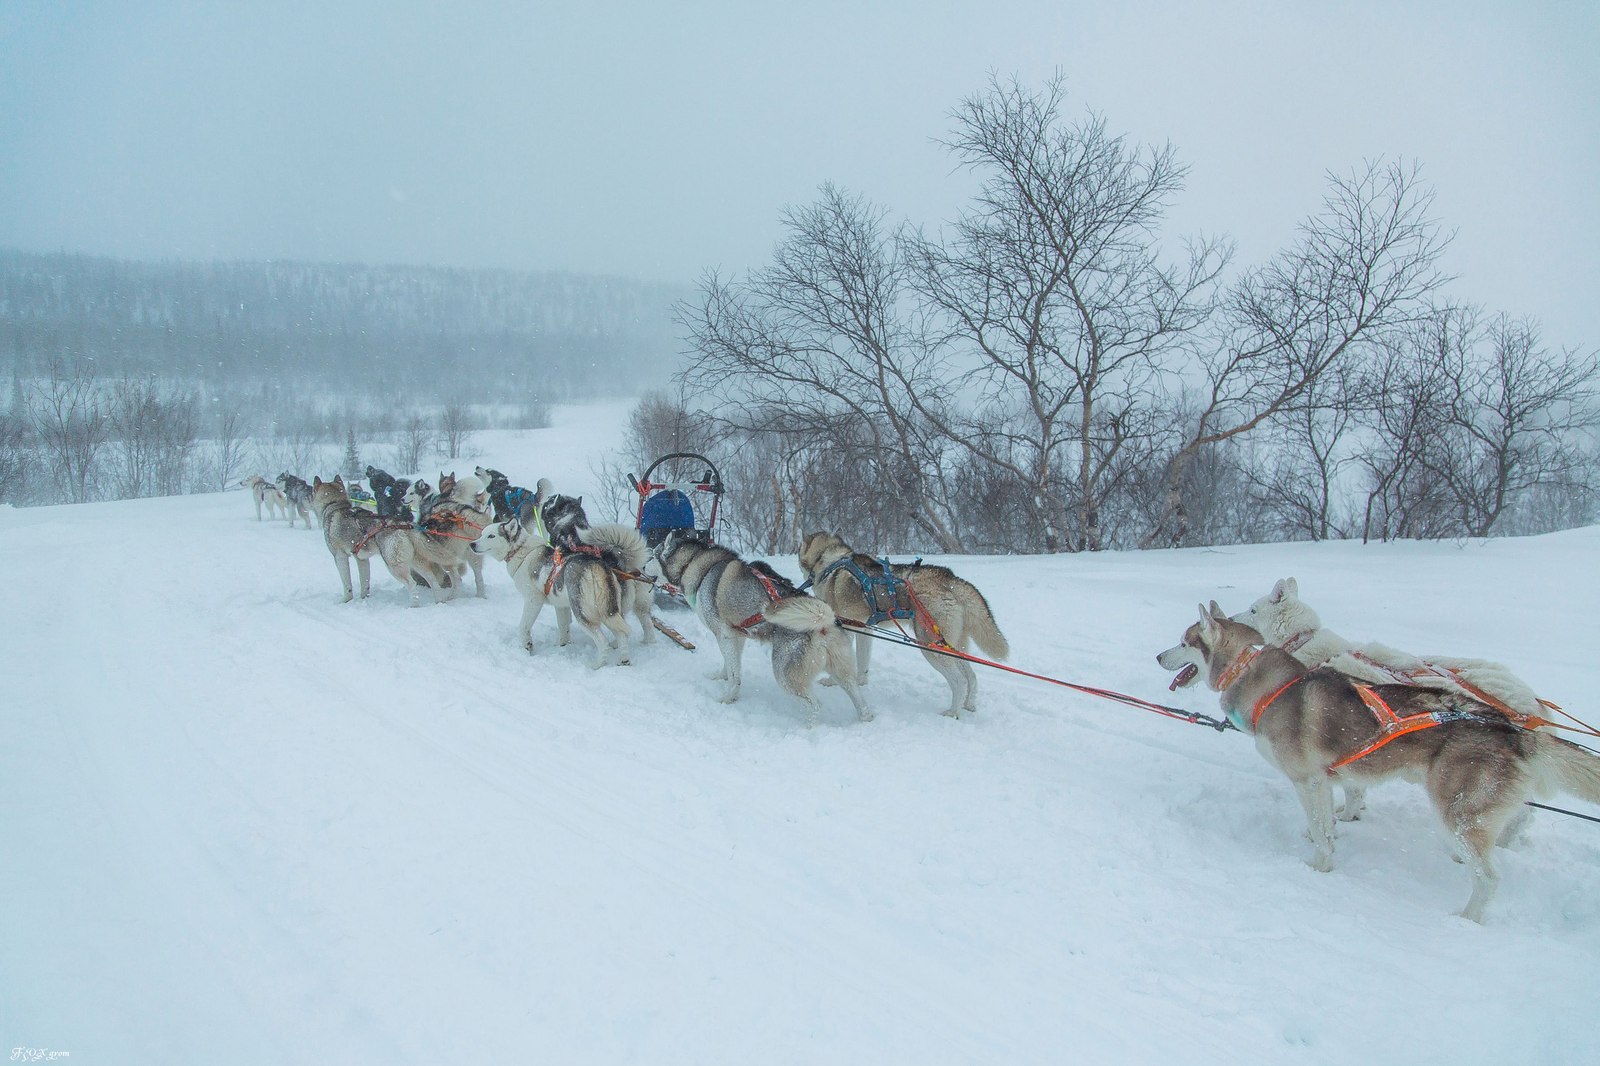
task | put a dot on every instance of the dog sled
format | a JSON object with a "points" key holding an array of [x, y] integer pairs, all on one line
{"points": [[680, 490]]}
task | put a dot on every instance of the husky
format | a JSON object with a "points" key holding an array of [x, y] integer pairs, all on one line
{"points": [[840, 577], [386, 491], [563, 516], [738, 600], [1318, 726], [299, 494], [580, 583], [1284, 619], [452, 519], [265, 492], [496, 484], [354, 532], [417, 498]]}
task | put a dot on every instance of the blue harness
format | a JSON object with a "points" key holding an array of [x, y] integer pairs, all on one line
{"points": [[885, 584]]}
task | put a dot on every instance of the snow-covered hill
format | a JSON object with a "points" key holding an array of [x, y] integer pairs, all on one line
{"points": [[245, 823]]}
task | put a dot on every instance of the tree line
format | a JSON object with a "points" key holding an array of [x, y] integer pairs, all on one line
{"points": [[1050, 372]]}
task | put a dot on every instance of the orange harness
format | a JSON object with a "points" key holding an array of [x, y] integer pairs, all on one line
{"points": [[1391, 726], [558, 562]]}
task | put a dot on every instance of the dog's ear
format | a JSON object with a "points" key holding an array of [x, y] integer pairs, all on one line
{"points": [[1291, 588], [1280, 587], [1207, 623], [1217, 613]]}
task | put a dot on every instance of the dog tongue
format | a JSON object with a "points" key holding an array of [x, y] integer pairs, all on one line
{"points": [[1183, 677]]}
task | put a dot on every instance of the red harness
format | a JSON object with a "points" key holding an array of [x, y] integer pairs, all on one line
{"points": [[760, 616]]}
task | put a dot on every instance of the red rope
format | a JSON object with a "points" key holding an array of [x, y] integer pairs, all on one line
{"points": [[1088, 690]]}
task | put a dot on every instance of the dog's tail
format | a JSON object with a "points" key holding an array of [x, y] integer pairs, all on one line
{"points": [[1567, 767], [619, 540], [982, 627], [799, 613]]}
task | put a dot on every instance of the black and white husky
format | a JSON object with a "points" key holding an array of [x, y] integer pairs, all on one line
{"points": [[738, 600]]}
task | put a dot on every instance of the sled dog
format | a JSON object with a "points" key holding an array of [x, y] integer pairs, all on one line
{"points": [[563, 516], [1318, 726], [1284, 619], [299, 494], [738, 600], [354, 532], [578, 583], [265, 492], [452, 523], [955, 606]]}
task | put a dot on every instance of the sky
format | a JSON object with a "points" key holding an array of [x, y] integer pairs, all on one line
{"points": [[660, 141]]}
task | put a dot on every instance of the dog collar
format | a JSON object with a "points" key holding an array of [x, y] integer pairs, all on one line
{"points": [[1240, 664]]}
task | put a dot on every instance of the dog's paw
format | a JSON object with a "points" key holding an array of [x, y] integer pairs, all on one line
{"points": [[951, 712], [1348, 814], [527, 646], [865, 716], [1321, 863], [826, 682]]}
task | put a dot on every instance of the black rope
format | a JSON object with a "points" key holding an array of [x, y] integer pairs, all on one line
{"points": [[1562, 810]]}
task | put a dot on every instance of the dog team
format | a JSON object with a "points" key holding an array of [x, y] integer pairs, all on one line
{"points": [[1323, 711]]}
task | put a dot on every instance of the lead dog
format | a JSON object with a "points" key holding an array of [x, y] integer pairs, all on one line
{"points": [[1319, 726], [739, 601], [956, 607], [573, 582], [1285, 620], [265, 492]]}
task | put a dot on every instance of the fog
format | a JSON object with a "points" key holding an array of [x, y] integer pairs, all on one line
{"points": [[658, 141]]}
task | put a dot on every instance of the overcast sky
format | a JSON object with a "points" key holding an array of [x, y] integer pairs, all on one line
{"points": [[661, 139]]}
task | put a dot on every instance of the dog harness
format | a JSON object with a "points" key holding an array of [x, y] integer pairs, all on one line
{"points": [[760, 616], [886, 583], [558, 561], [1391, 726]]}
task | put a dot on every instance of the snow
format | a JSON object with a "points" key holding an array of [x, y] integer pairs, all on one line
{"points": [[246, 823]]}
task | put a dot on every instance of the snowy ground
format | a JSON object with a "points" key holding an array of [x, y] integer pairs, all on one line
{"points": [[245, 823]]}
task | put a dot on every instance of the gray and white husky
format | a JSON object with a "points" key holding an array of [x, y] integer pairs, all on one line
{"points": [[299, 494], [581, 583], [354, 532], [1318, 726], [738, 601], [955, 606]]}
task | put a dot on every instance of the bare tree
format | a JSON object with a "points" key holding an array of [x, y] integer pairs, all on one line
{"points": [[154, 430], [820, 339], [1407, 388], [16, 458], [1054, 284], [228, 447], [414, 439], [1363, 265], [455, 428], [1299, 476], [72, 427], [1513, 413]]}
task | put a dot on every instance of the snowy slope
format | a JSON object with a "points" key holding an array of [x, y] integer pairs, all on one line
{"points": [[245, 823]]}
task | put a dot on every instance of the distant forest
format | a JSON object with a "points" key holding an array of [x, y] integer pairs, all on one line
{"points": [[383, 333]]}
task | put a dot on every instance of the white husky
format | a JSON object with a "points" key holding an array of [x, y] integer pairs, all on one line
{"points": [[1285, 620]]}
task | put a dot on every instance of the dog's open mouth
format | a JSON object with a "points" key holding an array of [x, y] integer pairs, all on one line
{"points": [[1184, 677]]}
